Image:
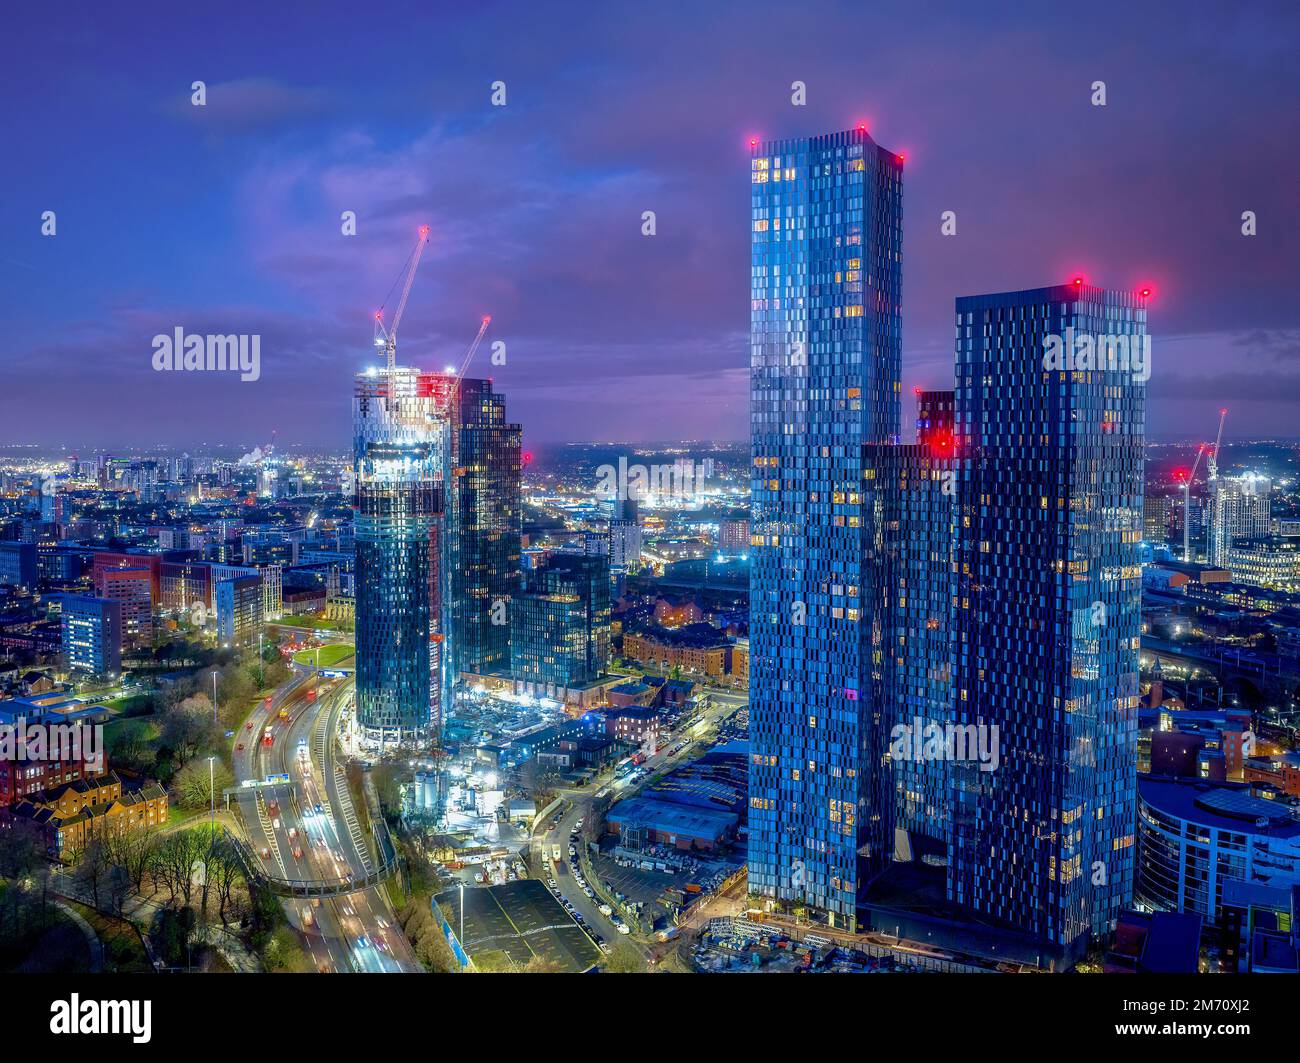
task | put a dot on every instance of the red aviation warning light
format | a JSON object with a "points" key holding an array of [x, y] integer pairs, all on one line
{"points": [[1145, 292]]}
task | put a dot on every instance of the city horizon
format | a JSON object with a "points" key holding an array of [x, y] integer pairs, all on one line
{"points": [[719, 489]]}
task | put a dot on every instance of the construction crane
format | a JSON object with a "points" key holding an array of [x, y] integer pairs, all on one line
{"points": [[473, 347], [1213, 466], [386, 337]]}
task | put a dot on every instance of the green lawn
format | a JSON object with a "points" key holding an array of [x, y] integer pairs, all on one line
{"points": [[123, 950], [330, 656], [319, 622]]}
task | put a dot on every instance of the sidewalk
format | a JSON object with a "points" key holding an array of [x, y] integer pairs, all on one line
{"points": [[141, 911]]}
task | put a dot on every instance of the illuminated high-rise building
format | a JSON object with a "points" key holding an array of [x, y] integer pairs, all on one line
{"points": [[1047, 610], [485, 530], [401, 435], [825, 269]]}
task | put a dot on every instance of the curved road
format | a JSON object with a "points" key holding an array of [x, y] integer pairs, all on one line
{"points": [[357, 931]]}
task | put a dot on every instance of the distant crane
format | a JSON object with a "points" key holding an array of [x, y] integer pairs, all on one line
{"points": [[1213, 466], [387, 337]]}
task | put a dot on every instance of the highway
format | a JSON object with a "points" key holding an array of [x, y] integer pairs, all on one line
{"points": [[294, 842]]}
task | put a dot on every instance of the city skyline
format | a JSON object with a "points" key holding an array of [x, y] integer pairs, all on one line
{"points": [[225, 218], [824, 572]]}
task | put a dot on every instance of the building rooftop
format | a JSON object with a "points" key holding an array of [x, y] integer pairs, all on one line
{"points": [[1222, 806]]}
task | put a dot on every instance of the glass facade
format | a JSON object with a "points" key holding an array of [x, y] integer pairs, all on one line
{"points": [[916, 501], [1047, 605], [401, 443], [1194, 837], [826, 220], [560, 625], [486, 521]]}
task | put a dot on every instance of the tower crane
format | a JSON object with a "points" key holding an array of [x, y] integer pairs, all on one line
{"points": [[386, 337], [1213, 466], [473, 347]]}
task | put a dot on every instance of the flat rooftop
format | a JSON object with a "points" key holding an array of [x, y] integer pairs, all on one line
{"points": [[507, 926]]}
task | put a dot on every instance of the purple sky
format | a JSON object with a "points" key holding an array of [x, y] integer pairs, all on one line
{"points": [[225, 218]]}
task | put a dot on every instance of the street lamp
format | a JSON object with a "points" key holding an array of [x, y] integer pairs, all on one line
{"points": [[462, 917], [214, 696], [212, 793]]}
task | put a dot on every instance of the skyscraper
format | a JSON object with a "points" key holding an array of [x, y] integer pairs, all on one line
{"points": [[1047, 607], [625, 534], [486, 526], [826, 219], [916, 498], [1238, 507], [401, 449]]}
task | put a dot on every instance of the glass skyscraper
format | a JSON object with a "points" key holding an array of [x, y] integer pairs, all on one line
{"points": [[486, 524], [560, 625], [826, 220], [401, 435], [1047, 606]]}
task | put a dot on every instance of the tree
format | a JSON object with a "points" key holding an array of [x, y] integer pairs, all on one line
{"points": [[226, 873], [134, 849], [177, 856], [190, 786], [188, 729], [93, 870]]}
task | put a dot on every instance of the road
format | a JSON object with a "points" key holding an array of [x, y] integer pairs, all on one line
{"points": [[295, 842]]}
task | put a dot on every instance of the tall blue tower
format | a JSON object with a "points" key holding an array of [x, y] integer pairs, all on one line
{"points": [[1050, 421], [826, 220]]}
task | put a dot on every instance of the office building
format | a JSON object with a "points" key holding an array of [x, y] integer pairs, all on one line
{"points": [[18, 565], [559, 637], [1195, 837], [1267, 561]]}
